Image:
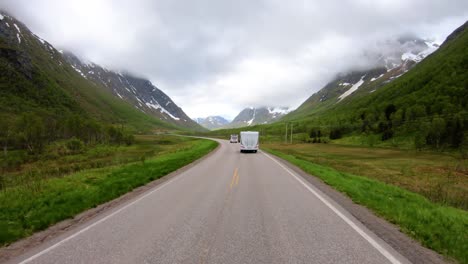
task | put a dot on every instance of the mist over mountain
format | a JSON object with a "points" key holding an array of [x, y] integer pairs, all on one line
{"points": [[397, 58]]}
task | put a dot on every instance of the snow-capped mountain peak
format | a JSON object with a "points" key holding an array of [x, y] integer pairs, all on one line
{"points": [[212, 122], [419, 56], [258, 115]]}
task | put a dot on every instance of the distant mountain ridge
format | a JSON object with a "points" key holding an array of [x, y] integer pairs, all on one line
{"points": [[258, 115], [247, 117], [212, 122]]}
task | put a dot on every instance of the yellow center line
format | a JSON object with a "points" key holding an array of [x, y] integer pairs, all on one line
{"points": [[235, 178]]}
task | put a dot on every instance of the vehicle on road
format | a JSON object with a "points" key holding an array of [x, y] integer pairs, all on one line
{"points": [[249, 141], [234, 138]]}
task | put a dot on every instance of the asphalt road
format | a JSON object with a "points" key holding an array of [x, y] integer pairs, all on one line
{"points": [[229, 208]]}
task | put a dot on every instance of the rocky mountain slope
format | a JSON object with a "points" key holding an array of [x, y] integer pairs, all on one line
{"points": [[212, 122], [139, 92]]}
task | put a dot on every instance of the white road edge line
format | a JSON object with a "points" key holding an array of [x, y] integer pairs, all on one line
{"points": [[361, 232], [97, 222]]}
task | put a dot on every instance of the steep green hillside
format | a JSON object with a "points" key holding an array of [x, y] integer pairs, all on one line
{"points": [[430, 101], [35, 78]]}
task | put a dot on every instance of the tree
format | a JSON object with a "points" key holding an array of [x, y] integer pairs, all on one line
{"points": [[437, 129], [335, 133], [398, 118], [31, 132], [456, 131], [6, 133], [416, 112], [421, 135], [389, 110]]}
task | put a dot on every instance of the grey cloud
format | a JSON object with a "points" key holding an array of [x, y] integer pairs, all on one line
{"points": [[205, 53]]}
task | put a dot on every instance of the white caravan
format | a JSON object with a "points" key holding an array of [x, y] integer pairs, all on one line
{"points": [[234, 138], [248, 141]]}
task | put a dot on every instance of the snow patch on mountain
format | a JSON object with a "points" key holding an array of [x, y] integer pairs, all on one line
{"points": [[352, 89], [253, 117], [417, 57], [162, 109], [17, 28], [378, 77]]}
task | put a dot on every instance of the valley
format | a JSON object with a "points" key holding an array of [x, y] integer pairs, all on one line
{"points": [[370, 168]]}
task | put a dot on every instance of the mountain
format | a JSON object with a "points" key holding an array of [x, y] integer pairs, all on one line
{"points": [[36, 78], [397, 58], [212, 122], [423, 105], [139, 92], [261, 115]]}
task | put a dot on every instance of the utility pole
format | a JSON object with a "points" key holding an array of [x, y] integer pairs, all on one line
{"points": [[286, 136], [291, 131]]}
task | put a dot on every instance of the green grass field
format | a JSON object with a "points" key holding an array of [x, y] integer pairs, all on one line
{"points": [[40, 201], [440, 177], [380, 179], [58, 161]]}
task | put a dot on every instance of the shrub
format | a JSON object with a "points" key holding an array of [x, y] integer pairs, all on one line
{"points": [[75, 145], [335, 133]]}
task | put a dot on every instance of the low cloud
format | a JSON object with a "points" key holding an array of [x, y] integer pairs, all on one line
{"points": [[217, 57]]}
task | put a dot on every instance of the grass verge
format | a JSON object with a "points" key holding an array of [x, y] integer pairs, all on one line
{"points": [[26, 209], [441, 228]]}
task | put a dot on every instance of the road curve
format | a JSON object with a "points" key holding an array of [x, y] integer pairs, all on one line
{"points": [[229, 208]]}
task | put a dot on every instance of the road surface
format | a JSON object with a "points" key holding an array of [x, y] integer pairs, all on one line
{"points": [[229, 208]]}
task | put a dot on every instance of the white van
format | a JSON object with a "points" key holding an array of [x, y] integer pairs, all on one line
{"points": [[249, 141], [234, 138]]}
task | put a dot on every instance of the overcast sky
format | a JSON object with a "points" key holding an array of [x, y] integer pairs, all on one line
{"points": [[217, 57]]}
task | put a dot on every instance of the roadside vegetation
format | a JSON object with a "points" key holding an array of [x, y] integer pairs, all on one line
{"points": [[440, 177], [416, 191], [48, 190]]}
